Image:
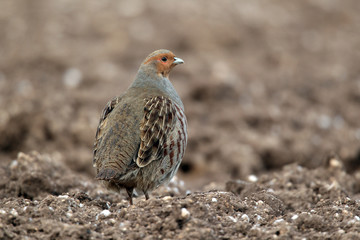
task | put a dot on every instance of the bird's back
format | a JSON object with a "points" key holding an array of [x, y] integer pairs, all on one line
{"points": [[118, 135]]}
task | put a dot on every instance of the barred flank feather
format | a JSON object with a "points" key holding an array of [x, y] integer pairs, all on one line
{"points": [[159, 119]]}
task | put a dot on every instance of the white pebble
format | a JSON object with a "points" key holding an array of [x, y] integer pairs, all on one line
{"points": [[295, 217], [72, 77], [233, 219], [245, 217], [51, 209], [81, 205], [270, 190], [357, 218], [105, 213], [122, 226], [252, 178], [167, 198], [176, 190], [13, 164], [352, 221], [63, 196], [324, 121], [185, 214], [278, 221], [214, 199], [14, 212], [188, 192], [2, 211], [69, 214]]}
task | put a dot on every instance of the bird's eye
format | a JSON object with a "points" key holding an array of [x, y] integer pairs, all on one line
{"points": [[164, 59]]}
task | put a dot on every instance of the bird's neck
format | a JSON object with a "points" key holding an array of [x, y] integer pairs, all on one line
{"points": [[151, 80]]}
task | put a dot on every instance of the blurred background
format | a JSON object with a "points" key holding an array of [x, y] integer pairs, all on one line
{"points": [[265, 83]]}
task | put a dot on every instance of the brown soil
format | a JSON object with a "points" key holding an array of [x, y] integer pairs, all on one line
{"points": [[272, 95]]}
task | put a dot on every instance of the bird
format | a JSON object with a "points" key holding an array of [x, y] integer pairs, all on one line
{"points": [[142, 134]]}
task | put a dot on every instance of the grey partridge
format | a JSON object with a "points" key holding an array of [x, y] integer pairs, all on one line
{"points": [[142, 134]]}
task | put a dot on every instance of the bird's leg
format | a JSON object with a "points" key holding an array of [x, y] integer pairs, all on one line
{"points": [[130, 193], [146, 195]]}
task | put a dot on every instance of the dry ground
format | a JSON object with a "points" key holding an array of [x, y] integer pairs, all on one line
{"points": [[271, 91]]}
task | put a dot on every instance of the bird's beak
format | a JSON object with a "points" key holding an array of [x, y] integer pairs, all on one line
{"points": [[178, 61]]}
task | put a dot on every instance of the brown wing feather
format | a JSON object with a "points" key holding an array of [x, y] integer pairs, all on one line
{"points": [[103, 119], [158, 121]]}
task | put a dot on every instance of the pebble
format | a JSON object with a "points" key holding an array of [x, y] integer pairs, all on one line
{"points": [[245, 217], [13, 164], [252, 178], [14, 212], [185, 214], [63, 196], [167, 198], [278, 221], [324, 121], [258, 217], [105, 213], [72, 77], [233, 219], [214, 199]]}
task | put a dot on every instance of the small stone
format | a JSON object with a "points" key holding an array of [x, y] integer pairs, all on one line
{"points": [[14, 212], [185, 214], [245, 217], [13, 164], [233, 219], [72, 77], [167, 198], [252, 178], [105, 213], [278, 221]]}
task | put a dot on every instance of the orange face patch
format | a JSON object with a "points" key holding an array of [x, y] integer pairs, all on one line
{"points": [[164, 62]]}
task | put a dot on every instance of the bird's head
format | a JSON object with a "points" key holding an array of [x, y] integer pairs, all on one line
{"points": [[161, 61]]}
